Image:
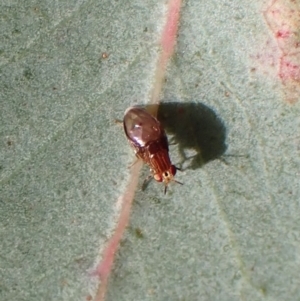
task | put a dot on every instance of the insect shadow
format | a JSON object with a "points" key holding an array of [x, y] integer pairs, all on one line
{"points": [[194, 126]]}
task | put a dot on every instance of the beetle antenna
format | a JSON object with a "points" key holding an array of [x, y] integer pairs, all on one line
{"points": [[166, 185], [178, 182]]}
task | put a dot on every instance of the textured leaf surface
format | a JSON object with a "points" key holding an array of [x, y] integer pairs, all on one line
{"points": [[68, 69]]}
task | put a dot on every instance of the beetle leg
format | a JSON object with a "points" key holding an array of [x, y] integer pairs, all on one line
{"points": [[134, 162], [146, 182], [173, 141]]}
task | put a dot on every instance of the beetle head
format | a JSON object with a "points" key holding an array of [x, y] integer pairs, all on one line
{"points": [[167, 176]]}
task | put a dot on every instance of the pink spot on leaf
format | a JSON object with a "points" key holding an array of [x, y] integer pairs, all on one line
{"points": [[290, 68], [283, 34], [282, 55]]}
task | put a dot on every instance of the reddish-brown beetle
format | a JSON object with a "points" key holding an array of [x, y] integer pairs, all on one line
{"points": [[149, 141]]}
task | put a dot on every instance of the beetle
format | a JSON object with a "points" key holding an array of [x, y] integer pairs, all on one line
{"points": [[149, 141]]}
